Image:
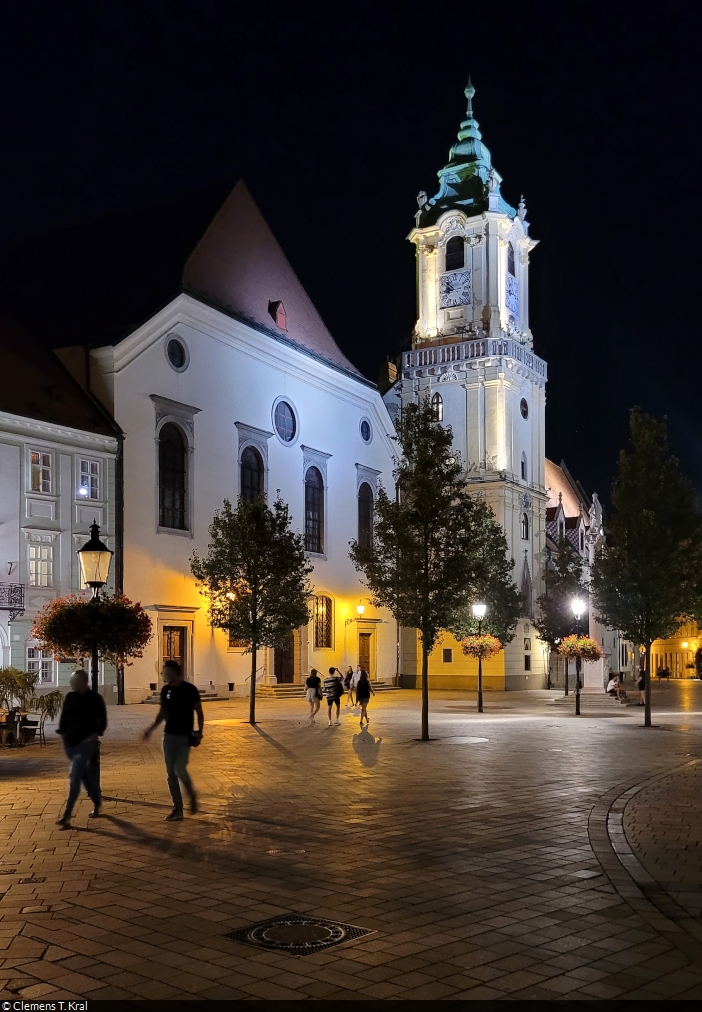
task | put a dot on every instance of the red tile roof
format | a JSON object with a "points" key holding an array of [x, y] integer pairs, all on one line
{"points": [[239, 267]]}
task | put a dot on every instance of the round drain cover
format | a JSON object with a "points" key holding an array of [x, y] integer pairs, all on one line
{"points": [[297, 934]]}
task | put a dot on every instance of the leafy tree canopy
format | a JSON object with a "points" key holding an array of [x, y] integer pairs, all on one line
{"points": [[255, 576]]}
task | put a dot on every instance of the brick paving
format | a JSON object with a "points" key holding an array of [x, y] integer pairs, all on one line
{"points": [[485, 862]]}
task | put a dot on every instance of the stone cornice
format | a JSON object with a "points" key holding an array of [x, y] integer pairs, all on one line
{"points": [[32, 428]]}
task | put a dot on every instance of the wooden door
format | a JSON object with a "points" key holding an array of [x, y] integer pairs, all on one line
{"points": [[364, 652], [284, 662], [173, 645]]}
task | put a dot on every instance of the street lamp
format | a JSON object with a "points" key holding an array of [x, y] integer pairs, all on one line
{"points": [[95, 559], [479, 611], [578, 607]]}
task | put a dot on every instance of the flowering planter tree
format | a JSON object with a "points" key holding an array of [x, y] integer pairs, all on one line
{"points": [[483, 647], [582, 648], [110, 627]]}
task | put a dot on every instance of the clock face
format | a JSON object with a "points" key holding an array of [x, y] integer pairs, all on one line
{"points": [[512, 295], [454, 289]]}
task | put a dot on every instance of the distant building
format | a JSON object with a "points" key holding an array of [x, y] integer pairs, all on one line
{"points": [[472, 356], [233, 388], [58, 453]]}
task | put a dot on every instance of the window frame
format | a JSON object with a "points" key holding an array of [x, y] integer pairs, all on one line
{"points": [[454, 245], [365, 542], [249, 448], [320, 491], [80, 461], [42, 466], [437, 407], [187, 505], [327, 618], [525, 526], [284, 399], [38, 663], [186, 351], [511, 260], [33, 546]]}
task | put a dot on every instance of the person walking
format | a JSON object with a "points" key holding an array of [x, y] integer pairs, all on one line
{"points": [[364, 690], [641, 686], [83, 719], [178, 701], [354, 683], [313, 695], [333, 690], [347, 685]]}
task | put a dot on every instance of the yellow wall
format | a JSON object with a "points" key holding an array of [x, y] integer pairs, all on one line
{"points": [[461, 672], [672, 654]]}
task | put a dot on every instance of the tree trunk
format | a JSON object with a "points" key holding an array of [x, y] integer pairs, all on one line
{"points": [[566, 675], [647, 677], [425, 692], [252, 687]]}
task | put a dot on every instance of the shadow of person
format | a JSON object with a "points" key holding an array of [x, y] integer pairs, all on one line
{"points": [[366, 747]]}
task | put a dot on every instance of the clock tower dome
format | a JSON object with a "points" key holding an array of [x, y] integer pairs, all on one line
{"points": [[472, 356]]}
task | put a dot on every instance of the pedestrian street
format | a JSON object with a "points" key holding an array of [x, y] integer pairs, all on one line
{"points": [[522, 853]]}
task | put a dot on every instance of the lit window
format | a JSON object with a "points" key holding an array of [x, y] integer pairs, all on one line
{"points": [[510, 261], [365, 515], [251, 474], [285, 421], [314, 511], [172, 511], [41, 662], [41, 563], [525, 527], [455, 254], [322, 622], [437, 408], [448, 655], [41, 471], [89, 486]]}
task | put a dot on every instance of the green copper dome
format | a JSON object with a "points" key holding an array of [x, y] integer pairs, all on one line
{"points": [[468, 178]]}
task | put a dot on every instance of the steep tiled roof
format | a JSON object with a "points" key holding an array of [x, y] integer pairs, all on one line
{"points": [[558, 480], [239, 267]]}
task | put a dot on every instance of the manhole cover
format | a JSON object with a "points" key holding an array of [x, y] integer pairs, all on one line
{"points": [[297, 934]]}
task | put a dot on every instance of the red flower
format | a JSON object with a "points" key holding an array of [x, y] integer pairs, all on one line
{"points": [[72, 626]]}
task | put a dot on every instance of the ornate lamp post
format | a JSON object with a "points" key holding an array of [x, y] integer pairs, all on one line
{"points": [[479, 611], [578, 607], [95, 559]]}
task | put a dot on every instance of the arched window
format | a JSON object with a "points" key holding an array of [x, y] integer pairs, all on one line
{"points": [[365, 515], [524, 467], [172, 479], [251, 474], [437, 408], [314, 511], [322, 622], [525, 527], [510, 261], [455, 253]]}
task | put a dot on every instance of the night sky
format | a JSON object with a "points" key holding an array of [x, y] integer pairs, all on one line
{"points": [[126, 124]]}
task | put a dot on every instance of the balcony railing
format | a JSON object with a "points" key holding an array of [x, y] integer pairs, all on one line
{"points": [[12, 599], [480, 348]]}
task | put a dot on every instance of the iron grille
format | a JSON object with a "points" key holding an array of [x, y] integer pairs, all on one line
{"points": [[12, 599]]}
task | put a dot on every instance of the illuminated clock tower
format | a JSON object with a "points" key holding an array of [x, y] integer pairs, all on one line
{"points": [[472, 355]]}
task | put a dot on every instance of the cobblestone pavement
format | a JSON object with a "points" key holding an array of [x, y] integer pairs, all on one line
{"points": [[487, 863]]}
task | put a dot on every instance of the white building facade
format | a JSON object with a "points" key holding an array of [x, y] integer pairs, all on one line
{"points": [[55, 480], [472, 356], [236, 386]]}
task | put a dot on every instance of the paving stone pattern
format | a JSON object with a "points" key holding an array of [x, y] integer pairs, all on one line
{"points": [[482, 867]]}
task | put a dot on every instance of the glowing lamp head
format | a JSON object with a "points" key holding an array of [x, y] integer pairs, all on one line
{"points": [[360, 608], [685, 645], [479, 611], [578, 607], [82, 491], [230, 595], [95, 559]]}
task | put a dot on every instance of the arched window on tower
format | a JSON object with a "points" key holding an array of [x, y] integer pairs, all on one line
{"points": [[251, 474], [365, 515], [172, 479], [510, 261], [525, 527], [524, 467], [455, 253], [314, 511], [437, 407]]}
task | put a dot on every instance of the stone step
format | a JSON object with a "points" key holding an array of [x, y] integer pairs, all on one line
{"points": [[592, 700], [205, 696], [287, 690]]}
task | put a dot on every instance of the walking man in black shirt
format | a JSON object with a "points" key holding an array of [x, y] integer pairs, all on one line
{"points": [[83, 719], [178, 701]]}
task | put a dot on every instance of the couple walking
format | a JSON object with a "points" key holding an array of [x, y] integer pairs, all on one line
{"points": [[334, 688], [84, 720]]}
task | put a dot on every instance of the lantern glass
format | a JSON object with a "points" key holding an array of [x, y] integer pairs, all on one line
{"points": [[95, 559], [578, 608], [360, 608], [479, 611]]}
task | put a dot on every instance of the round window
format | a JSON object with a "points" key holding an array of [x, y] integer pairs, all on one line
{"points": [[524, 408], [366, 431], [177, 354], [285, 421]]}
